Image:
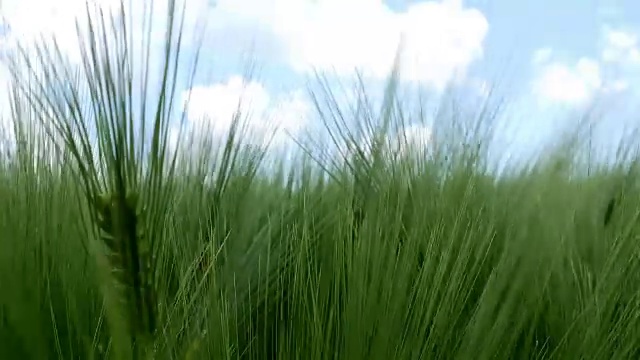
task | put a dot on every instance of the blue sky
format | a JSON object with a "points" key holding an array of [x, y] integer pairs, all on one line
{"points": [[552, 59]]}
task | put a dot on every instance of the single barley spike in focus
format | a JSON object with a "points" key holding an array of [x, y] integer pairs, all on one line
{"points": [[130, 259]]}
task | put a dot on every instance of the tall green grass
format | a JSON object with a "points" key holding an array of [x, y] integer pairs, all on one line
{"points": [[115, 246]]}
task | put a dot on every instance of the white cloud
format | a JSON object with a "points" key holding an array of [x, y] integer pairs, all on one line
{"points": [[440, 38], [619, 85], [264, 115], [621, 47], [542, 56], [29, 20], [577, 83], [51, 19], [574, 84], [414, 139]]}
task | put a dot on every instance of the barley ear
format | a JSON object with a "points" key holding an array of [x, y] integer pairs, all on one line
{"points": [[90, 109], [129, 256]]}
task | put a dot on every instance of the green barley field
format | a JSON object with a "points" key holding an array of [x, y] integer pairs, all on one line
{"points": [[115, 245]]}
